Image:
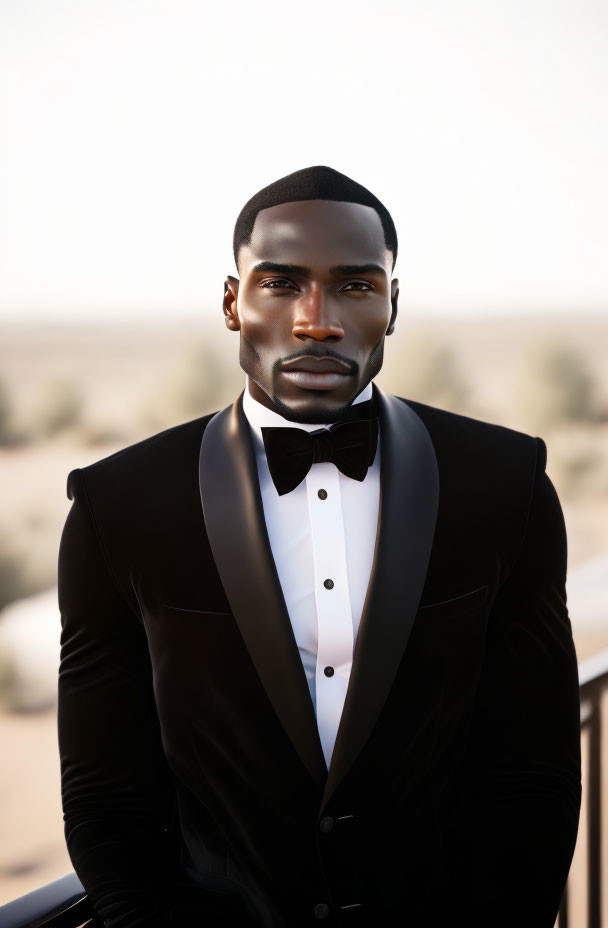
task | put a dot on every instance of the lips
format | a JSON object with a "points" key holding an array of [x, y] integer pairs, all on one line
{"points": [[316, 373], [313, 365]]}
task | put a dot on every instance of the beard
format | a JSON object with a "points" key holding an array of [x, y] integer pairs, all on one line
{"points": [[317, 413]]}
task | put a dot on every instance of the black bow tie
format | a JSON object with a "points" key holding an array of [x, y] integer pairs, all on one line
{"points": [[350, 444]]}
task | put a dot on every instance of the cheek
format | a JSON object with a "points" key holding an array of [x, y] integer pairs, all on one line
{"points": [[260, 322], [262, 340], [373, 323], [251, 316]]}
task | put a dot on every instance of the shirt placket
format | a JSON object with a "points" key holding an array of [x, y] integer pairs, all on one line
{"points": [[332, 596]]}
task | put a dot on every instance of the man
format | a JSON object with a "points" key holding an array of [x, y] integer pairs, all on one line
{"points": [[316, 657]]}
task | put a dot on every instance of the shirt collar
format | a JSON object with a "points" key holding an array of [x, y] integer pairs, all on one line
{"points": [[259, 415]]}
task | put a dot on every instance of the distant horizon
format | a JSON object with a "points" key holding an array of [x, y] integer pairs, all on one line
{"points": [[169, 317]]}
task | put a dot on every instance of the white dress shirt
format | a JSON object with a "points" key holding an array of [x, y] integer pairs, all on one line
{"points": [[314, 539]]}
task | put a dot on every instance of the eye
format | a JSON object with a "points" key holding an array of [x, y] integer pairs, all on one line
{"points": [[277, 283], [358, 283]]}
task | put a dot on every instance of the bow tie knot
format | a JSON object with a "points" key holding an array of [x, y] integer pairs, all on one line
{"points": [[322, 448], [291, 452]]}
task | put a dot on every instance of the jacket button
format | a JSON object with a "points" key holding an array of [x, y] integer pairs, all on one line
{"points": [[321, 910], [326, 824]]}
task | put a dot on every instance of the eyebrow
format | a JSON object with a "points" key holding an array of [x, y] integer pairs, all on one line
{"points": [[350, 269]]}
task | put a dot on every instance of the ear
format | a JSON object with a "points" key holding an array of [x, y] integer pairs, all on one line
{"points": [[231, 293], [394, 296]]}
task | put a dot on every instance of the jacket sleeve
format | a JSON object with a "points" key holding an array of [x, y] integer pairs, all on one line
{"points": [[527, 731], [115, 783]]}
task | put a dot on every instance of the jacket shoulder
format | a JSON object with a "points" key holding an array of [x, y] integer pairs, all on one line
{"points": [[469, 434], [488, 473], [491, 468], [148, 456]]}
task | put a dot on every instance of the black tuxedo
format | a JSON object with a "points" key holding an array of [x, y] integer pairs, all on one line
{"points": [[193, 779]]}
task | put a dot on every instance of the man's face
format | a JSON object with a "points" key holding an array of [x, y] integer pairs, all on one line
{"points": [[315, 281]]}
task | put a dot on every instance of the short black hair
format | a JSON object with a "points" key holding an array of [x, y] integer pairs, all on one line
{"points": [[315, 183]]}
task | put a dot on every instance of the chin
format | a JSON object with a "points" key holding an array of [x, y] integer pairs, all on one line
{"points": [[311, 411]]}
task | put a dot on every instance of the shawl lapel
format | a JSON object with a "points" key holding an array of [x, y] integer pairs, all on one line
{"points": [[234, 519]]}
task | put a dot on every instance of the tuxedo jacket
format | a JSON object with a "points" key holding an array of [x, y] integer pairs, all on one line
{"points": [[194, 787]]}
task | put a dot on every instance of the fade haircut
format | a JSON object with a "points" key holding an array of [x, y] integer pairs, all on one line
{"points": [[315, 183]]}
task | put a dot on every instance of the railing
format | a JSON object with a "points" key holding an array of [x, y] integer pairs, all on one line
{"points": [[61, 904], [593, 679], [64, 903]]}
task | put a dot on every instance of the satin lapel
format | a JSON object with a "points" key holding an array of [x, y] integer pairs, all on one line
{"points": [[409, 498], [236, 528]]}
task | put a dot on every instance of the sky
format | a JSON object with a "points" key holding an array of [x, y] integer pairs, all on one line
{"points": [[132, 133]]}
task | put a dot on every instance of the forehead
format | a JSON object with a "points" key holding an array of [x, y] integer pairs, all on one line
{"points": [[318, 233]]}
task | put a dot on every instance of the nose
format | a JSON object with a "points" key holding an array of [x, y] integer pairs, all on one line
{"points": [[314, 316]]}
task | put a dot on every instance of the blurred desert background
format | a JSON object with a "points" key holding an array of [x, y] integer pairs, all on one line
{"points": [[71, 394]]}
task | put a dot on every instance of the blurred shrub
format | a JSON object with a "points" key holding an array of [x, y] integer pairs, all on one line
{"points": [[5, 412], [58, 408], [8, 679], [97, 432], [191, 390], [9, 433], [13, 582], [557, 386], [577, 462], [427, 369]]}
